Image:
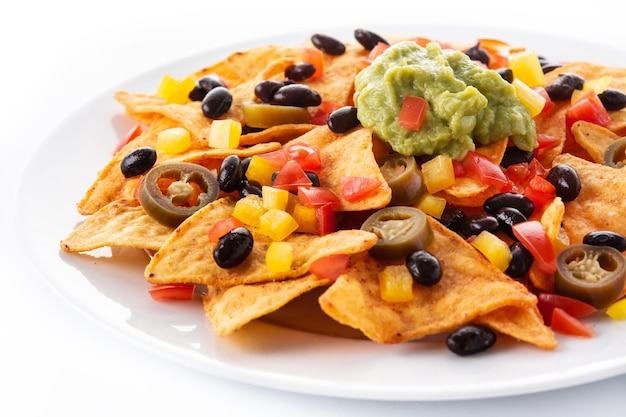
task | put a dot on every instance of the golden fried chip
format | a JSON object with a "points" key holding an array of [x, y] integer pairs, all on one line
{"points": [[600, 205], [187, 255], [470, 287], [230, 308], [279, 133], [120, 223], [593, 138], [525, 324]]}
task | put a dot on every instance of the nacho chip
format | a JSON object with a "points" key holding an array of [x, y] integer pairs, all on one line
{"points": [[470, 287], [187, 255], [120, 223], [594, 139], [230, 308]]}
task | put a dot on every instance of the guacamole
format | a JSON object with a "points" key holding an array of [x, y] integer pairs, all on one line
{"points": [[467, 104]]}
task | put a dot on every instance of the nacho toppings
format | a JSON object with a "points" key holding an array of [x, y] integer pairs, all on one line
{"points": [[262, 178]]}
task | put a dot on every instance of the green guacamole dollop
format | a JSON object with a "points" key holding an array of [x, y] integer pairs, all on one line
{"points": [[468, 105]]}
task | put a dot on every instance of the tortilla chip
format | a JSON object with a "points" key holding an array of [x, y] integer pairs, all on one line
{"points": [[230, 308], [594, 139], [187, 255], [523, 324], [279, 133], [470, 287], [120, 223], [601, 203]]}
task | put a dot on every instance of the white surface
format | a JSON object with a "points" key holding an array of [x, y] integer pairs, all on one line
{"points": [[59, 56]]}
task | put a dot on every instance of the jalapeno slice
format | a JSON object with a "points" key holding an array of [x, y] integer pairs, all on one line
{"points": [[401, 231], [171, 192], [403, 177], [615, 154], [593, 274]]}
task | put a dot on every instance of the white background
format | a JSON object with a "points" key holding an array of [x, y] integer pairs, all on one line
{"points": [[55, 56]]}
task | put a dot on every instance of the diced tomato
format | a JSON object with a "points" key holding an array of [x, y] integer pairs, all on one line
{"points": [[356, 188], [278, 158], [549, 103], [130, 135], [564, 323], [316, 57], [222, 227], [547, 302], [320, 117], [588, 108], [326, 219], [459, 169], [546, 141], [162, 292], [291, 176], [487, 171], [331, 266], [308, 157], [375, 52], [540, 191], [317, 196], [533, 235], [412, 112]]}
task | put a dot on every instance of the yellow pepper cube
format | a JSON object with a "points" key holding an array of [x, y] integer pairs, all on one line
{"points": [[432, 205], [531, 99], [249, 210], [438, 173], [279, 256], [173, 141], [174, 91], [527, 68], [261, 170], [494, 249], [225, 134], [277, 224], [306, 218], [617, 310], [274, 198], [396, 284]]}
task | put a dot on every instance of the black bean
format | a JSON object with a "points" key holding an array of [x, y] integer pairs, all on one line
{"points": [[508, 199], [514, 155], [299, 95], [328, 44], [233, 248], [547, 67], [424, 268], [368, 39], [563, 87], [476, 223], [247, 188], [566, 181], [343, 119], [453, 219], [265, 89], [300, 71], [507, 217], [521, 260], [245, 163], [506, 74], [476, 53], [217, 102], [230, 174], [315, 179], [612, 99], [138, 161], [203, 86], [606, 238], [470, 339]]}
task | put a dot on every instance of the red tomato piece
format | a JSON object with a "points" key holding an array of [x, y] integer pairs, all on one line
{"points": [[459, 169], [412, 112], [308, 157], [532, 234], [588, 108], [546, 302], [543, 93], [487, 171], [540, 191], [320, 117], [317, 196], [278, 158], [162, 292], [130, 135], [222, 227], [376, 51], [564, 323], [291, 176], [325, 219], [331, 266], [316, 57], [357, 188]]}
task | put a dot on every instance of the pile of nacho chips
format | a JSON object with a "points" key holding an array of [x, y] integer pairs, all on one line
{"points": [[471, 288]]}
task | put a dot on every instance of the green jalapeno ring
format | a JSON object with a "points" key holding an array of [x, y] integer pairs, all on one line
{"points": [[615, 154], [166, 209], [593, 274], [403, 177]]}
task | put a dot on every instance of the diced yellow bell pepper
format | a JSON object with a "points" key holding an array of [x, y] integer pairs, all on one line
{"points": [[306, 219], [576, 95], [225, 134], [494, 249], [438, 173], [249, 210], [533, 101], [174, 91], [277, 224], [279, 256], [396, 284], [617, 310], [432, 205], [274, 198], [174, 140], [261, 170], [527, 68]]}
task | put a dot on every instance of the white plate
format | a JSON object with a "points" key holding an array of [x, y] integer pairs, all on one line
{"points": [[112, 291]]}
